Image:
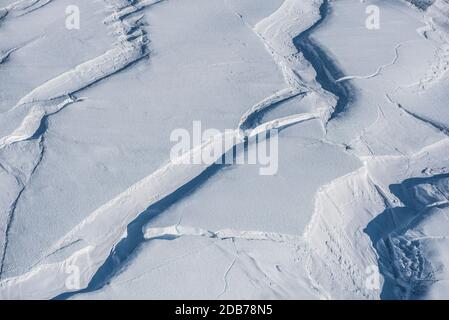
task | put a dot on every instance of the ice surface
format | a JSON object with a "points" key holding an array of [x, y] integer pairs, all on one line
{"points": [[87, 183]]}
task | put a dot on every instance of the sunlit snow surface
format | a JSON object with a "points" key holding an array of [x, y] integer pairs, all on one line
{"points": [[92, 206]]}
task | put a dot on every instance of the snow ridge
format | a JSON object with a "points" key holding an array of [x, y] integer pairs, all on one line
{"points": [[110, 220], [436, 17], [56, 94], [277, 33], [132, 45], [339, 241], [379, 69], [177, 231]]}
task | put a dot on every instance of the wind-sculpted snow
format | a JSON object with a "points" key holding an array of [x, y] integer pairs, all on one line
{"points": [[363, 210], [105, 227], [387, 218], [278, 31], [379, 69], [100, 232], [109, 219], [437, 31], [367, 203], [410, 254], [33, 122], [422, 4]]}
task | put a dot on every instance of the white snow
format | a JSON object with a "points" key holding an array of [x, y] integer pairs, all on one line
{"points": [[87, 185]]}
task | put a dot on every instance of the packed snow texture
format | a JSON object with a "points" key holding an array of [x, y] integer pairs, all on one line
{"points": [[93, 207]]}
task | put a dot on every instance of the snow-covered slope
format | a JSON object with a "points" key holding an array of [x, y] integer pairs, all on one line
{"points": [[92, 206]]}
